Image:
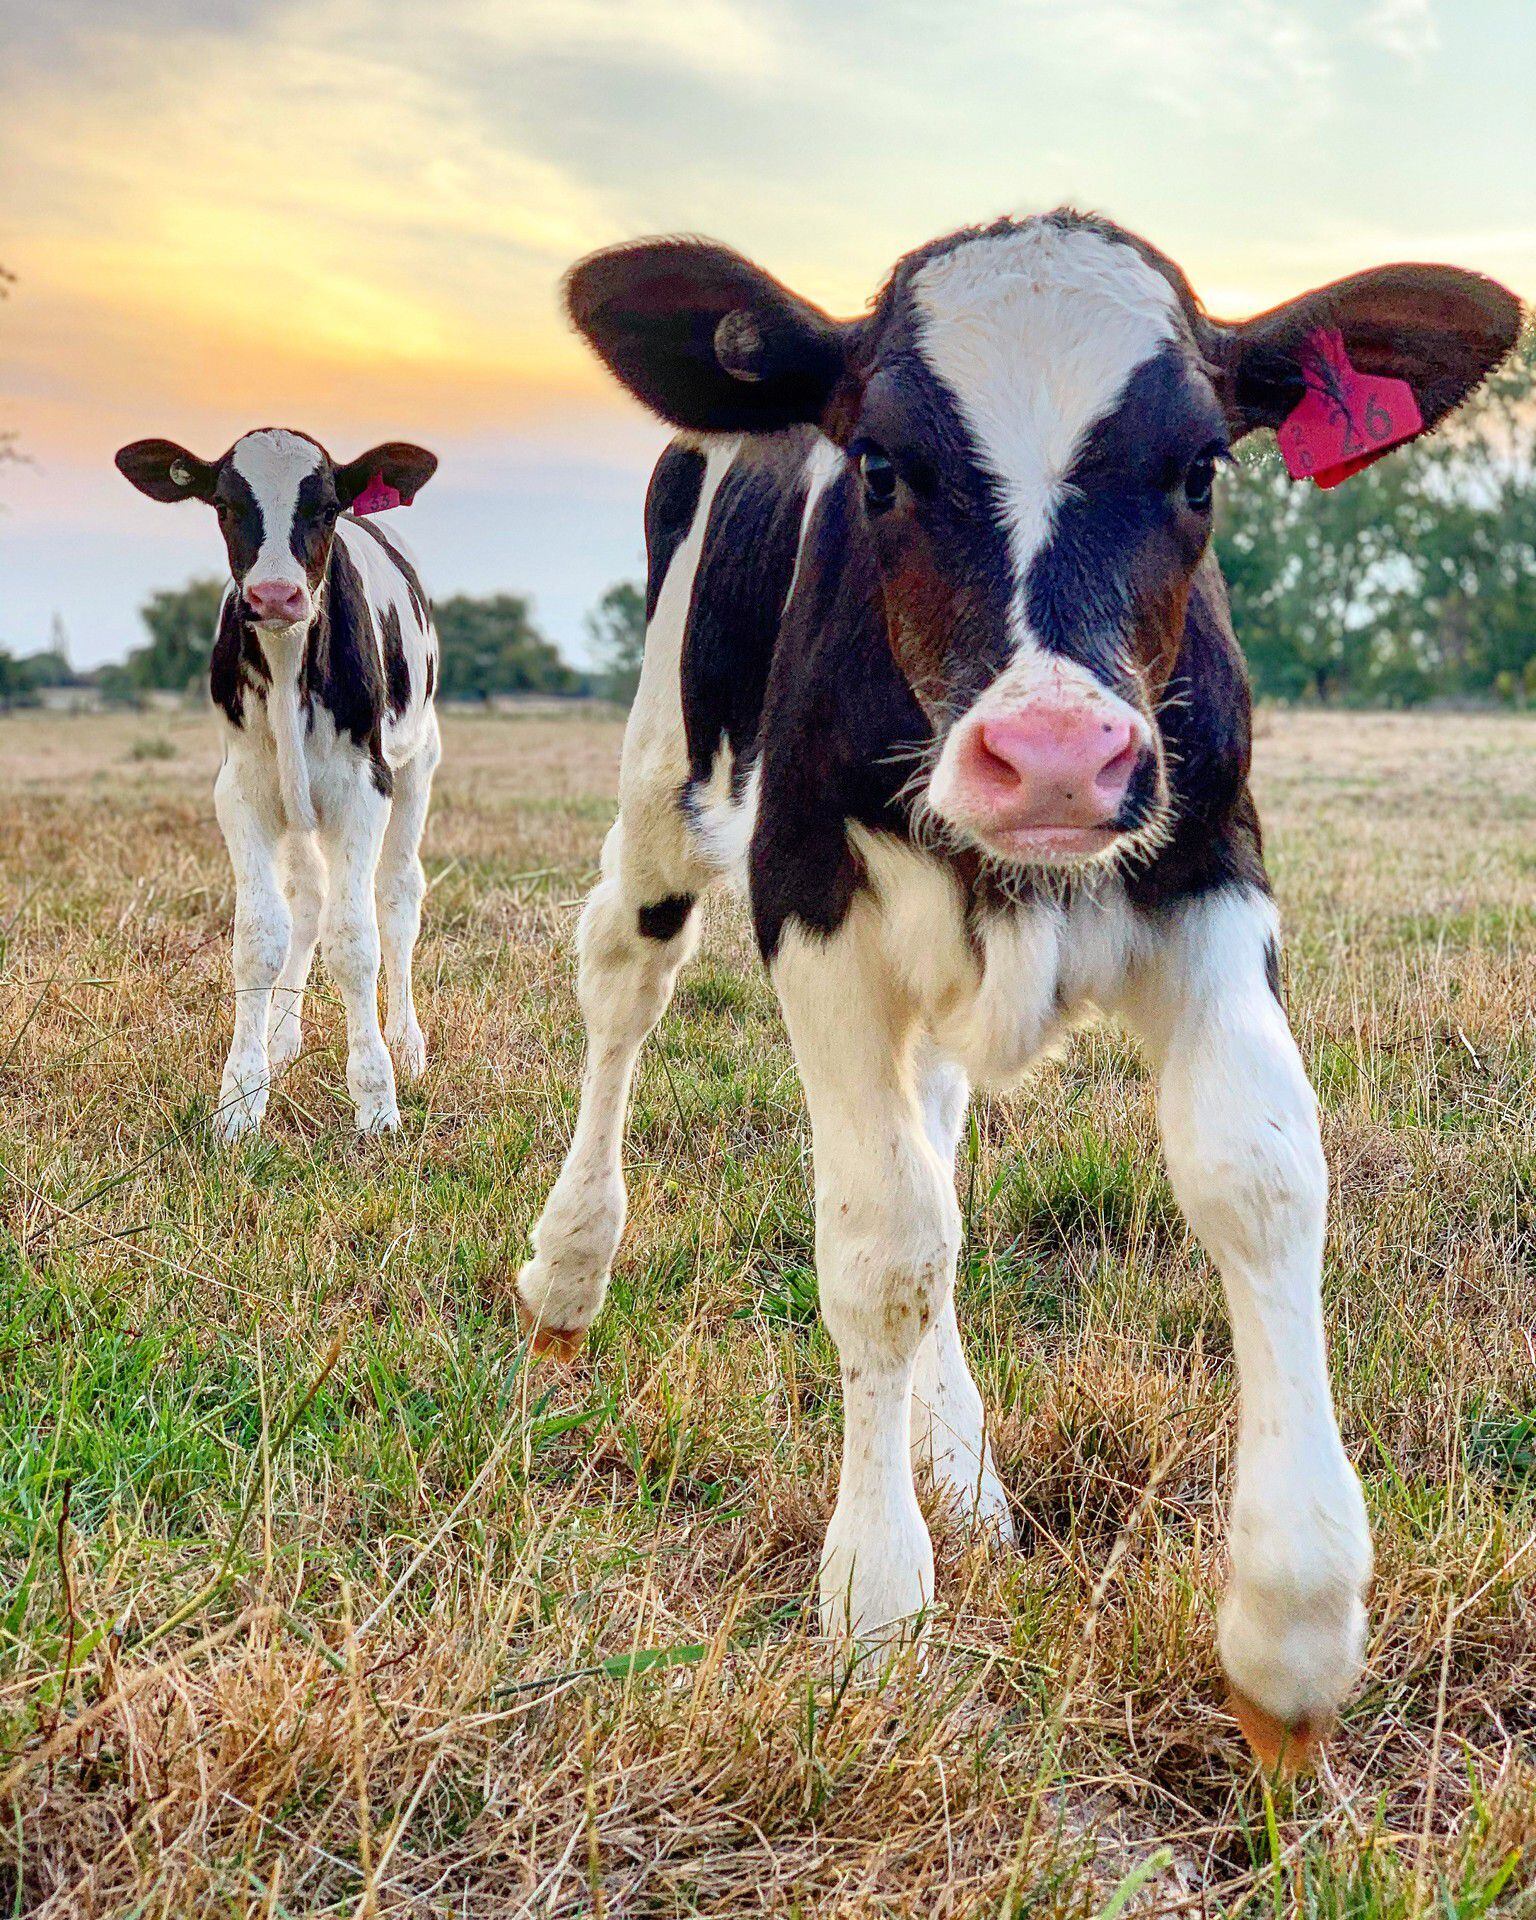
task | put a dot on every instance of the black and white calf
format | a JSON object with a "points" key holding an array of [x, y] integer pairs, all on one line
{"points": [[939, 657], [324, 668]]}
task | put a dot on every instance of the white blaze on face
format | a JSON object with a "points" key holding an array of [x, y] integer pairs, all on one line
{"points": [[1036, 334], [274, 464]]}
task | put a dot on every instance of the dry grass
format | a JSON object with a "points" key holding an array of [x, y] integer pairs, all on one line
{"points": [[315, 1600]]}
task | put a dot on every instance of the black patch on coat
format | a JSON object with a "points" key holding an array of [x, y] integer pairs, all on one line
{"points": [[420, 604], [1121, 532], [665, 919], [743, 577], [671, 501], [1272, 970], [840, 731], [237, 662], [240, 518], [397, 675], [343, 670], [1205, 719], [431, 675]]}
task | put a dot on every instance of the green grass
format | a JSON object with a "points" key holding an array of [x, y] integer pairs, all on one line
{"points": [[316, 1597]]}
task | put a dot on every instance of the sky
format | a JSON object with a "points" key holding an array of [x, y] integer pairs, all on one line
{"points": [[351, 217]]}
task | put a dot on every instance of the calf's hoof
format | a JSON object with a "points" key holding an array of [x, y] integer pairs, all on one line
{"points": [[1280, 1749], [546, 1342], [971, 1496], [241, 1108], [379, 1116], [409, 1047], [284, 1044]]}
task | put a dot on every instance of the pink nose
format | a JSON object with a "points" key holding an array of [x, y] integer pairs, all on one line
{"points": [[275, 600], [1048, 766]]}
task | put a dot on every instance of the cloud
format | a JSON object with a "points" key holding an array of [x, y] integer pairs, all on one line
{"points": [[718, 38], [1406, 28], [1186, 55], [302, 209]]}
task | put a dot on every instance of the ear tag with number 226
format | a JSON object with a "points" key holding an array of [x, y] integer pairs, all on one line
{"points": [[1347, 418], [377, 497]]}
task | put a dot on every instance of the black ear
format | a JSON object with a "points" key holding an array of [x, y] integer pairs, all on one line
{"points": [[165, 471], [1439, 328], [396, 462], [705, 338]]}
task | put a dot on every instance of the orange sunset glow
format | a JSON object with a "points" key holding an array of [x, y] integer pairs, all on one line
{"points": [[353, 218]]}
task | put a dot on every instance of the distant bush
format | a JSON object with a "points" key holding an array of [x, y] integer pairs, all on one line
{"points": [[491, 646], [616, 627]]}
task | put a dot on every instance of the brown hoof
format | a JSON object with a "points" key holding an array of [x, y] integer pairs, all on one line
{"points": [[546, 1342], [1278, 1748]]}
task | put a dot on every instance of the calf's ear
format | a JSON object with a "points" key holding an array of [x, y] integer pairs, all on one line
{"points": [[403, 467], [1441, 329], [165, 471], [705, 338]]}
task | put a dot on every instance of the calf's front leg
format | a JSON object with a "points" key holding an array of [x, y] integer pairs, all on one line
{"points": [[351, 834], [248, 818], [949, 1423], [1240, 1130], [887, 1234]]}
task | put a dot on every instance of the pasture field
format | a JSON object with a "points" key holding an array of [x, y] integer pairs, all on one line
{"points": [[315, 1598]]}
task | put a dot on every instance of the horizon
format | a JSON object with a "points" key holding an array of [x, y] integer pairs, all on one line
{"points": [[354, 220]]}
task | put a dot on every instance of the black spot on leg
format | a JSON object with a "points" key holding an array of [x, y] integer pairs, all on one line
{"points": [[397, 675], [1272, 969], [665, 919]]}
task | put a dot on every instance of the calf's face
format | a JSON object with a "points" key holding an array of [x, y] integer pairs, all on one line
{"points": [[277, 495], [1032, 416]]}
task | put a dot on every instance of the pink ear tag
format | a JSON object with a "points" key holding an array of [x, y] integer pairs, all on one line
{"points": [[1347, 418], [377, 497]]}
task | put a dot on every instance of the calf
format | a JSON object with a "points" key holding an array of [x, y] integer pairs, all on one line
{"points": [[324, 667], [939, 655]]}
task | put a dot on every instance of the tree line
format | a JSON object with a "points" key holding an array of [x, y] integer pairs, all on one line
{"points": [[490, 645], [1415, 581]]}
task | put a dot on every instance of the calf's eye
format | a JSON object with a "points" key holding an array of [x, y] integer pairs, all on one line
{"points": [[1199, 480], [878, 473]]}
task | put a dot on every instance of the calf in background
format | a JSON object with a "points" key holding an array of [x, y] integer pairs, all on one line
{"points": [[324, 669]]}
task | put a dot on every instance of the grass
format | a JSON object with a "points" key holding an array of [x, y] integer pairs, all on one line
{"points": [[315, 1599]]}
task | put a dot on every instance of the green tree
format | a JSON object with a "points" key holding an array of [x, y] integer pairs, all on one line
{"points": [[491, 645], [1415, 579], [616, 627], [23, 676], [181, 623]]}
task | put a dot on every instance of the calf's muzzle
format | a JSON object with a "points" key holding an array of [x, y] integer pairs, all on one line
{"points": [[1046, 778]]}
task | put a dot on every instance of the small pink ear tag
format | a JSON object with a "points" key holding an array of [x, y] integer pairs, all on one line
{"points": [[1347, 418], [377, 497]]}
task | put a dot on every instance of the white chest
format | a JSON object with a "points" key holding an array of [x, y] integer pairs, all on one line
{"points": [[996, 995]]}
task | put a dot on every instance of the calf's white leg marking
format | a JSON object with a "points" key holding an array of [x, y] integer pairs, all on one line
{"points": [[624, 981], [249, 815], [303, 876], [402, 886], [1240, 1131], [351, 835], [948, 1418], [887, 1233]]}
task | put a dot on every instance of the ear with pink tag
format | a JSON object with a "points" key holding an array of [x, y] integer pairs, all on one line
{"points": [[1346, 419], [388, 475], [377, 497], [1351, 370]]}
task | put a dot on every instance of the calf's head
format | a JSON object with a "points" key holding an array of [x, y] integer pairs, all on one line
{"points": [[277, 495], [1032, 417]]}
